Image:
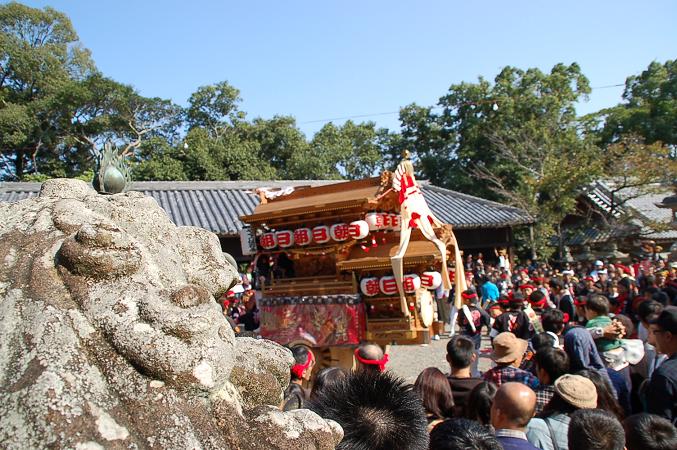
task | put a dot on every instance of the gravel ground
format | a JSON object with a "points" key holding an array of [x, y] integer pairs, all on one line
{"points": [[408, 361]]}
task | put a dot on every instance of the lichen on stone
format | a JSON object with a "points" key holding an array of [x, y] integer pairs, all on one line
{"points": [[110, 336]]}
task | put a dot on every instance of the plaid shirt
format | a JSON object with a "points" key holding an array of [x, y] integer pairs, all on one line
{"points": [[543, 396], [505, 374]]}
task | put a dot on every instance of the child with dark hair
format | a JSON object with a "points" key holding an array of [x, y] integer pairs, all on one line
{"points": [[597, 313], [479, 403], [649, 432], [377, 411], [595, 429]]}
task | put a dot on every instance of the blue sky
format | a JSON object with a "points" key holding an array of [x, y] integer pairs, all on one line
{"points": [[327, 59]]}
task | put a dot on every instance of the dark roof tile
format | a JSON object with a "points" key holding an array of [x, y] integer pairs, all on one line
{"points": [[218, 205]]}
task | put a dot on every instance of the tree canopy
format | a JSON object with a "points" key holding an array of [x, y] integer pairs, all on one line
{"points": [[516, 138]]}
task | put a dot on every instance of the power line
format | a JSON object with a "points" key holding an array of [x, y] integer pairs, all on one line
{"points": [[361, 116]]}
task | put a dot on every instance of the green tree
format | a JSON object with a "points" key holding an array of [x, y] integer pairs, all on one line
{"points": [[516, 140], [40, 55], [55, 108], [649, 110], [349, 151], [214, 107]]}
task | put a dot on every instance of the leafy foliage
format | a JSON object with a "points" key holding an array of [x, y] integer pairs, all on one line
{"points": [[649, 110]]}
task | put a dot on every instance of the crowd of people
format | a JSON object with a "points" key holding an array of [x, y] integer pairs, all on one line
{"points": [[583, 357]]}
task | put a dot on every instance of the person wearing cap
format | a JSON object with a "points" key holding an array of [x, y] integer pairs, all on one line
{"points": [[599, 266], [549, 430], [661, 394], [508, 354], [471, 321]]}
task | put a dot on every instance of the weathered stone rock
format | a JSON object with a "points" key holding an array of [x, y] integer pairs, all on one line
{"points": [[110, 338]]}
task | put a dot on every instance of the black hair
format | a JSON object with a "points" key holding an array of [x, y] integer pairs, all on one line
{"points": [[552, 320], [649, 432], [377, 410], [598, 304], [460, 351], [462, 434], [478, 405], [325, 377], [300, 354], [556, 284], [605, 393], [625, 282], [595, 429], [661, 297], [537, 296], [541, 341], [554, 361]]}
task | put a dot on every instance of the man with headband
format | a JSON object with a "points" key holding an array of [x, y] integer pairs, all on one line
{"points": [[370, 357], [304, 361]]}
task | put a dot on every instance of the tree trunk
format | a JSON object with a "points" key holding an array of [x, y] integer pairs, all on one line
{"points": [[532, 243], [19, 165]]}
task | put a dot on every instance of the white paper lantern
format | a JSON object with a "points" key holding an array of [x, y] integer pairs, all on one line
{"points": [[321, 234], [431, 280], [268, 241], [395, 222], [370, 286], [358, 229], [339, 232], [303, 236], [374, 220], [411, 282], [285, 238], [388, 285]]}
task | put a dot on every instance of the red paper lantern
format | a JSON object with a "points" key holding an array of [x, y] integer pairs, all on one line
{"points": [[340, 232], [285, 238], [302, 236], [268, 241], [358, 229], [369, 286], [431, 280], [388, 285], [321, 234]]}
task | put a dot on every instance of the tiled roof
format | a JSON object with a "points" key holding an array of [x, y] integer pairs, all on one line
{"points": [[640, 205], [217, 205]]}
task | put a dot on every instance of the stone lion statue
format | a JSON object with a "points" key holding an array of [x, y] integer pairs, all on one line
{"points": [[110, 336]]}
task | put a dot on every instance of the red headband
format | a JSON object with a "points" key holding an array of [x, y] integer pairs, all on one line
{"points": [[298, 369], [468, 296], [381, 363]]}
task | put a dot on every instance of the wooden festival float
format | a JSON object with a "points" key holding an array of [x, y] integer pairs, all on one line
{"points": [[351, 261]]}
